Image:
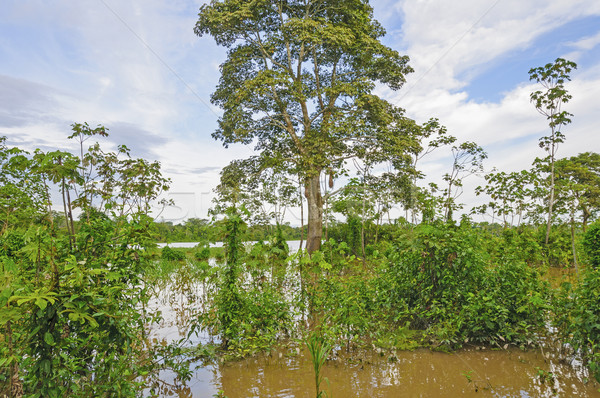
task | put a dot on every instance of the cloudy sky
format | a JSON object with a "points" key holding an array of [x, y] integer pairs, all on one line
{"points": [[137, 68]]}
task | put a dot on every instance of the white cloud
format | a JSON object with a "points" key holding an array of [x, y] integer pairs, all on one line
{"points": [[448, 39], [587, 43]]}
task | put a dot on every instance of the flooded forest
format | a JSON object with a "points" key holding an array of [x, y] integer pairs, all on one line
{"points": [[388, 286]]}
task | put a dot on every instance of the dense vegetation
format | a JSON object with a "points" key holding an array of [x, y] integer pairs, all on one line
{"points": [[72, 294], [75, 292], [439, 285]]}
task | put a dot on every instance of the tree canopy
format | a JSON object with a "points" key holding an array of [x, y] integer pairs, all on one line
{"points": [[299, 82]]}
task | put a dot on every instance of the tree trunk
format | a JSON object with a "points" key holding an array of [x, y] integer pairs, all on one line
{"points": [[301, 217], [66, 213], [573, 244], [315, 213], [448, 212], [551, 203], [362, 223], [550, 208], [585, 218], [326, 222]]}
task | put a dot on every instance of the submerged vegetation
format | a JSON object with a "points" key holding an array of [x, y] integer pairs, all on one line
{"points": [[75, 294], [436, 285]]}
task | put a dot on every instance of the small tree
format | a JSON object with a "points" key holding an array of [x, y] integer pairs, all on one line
{"points": [[552, 77], [509, 194], [577, 190], [435, 136], [467, 160]]}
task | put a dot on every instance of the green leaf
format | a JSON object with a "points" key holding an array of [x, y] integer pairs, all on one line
{"points": [[49, 339], [40, 302]]}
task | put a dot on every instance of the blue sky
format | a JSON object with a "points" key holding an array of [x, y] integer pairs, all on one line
{"points": [[137, 68]]}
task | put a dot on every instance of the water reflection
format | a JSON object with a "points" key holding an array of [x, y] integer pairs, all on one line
{"points": [[422, 373]]}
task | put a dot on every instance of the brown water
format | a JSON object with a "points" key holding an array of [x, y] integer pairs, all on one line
{"points": [[470, 372], [422, 373]]}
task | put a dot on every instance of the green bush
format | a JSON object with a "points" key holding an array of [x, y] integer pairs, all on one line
{"points": [[441, 280], [202, 254], [172, 254], [578, 318], [10, 243], [509, 305], [591, 244], [558, 251]]}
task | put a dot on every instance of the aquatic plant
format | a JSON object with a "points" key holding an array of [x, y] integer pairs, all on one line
{"points": [[319, 350]]}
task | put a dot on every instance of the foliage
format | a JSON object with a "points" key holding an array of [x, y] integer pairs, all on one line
{"points": [[578, 318], [299, 84], [578, 186], [524, 245], [71, 293], [196, 230], [170, 254], [229, 300], [265, 192], [591, 245], [440, 281], [508, 307], [548, 103], [468, 159], [319, 350], [247, 317], [202, 252], [509, 193], [339, 293]]}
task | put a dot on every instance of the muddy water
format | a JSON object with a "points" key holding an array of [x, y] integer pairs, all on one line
{"points": [[422, 373]]}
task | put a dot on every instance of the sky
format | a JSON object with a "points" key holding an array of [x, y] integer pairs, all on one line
{"points": [[137, 68]]}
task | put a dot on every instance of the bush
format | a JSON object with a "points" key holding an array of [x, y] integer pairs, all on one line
{"points": [[578, 318], [509, 306], [442, 280], [591, 244], [202, 254], [172, 254], [558, 251]]}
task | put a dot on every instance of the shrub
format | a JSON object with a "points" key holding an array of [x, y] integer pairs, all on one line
{"points": [[509, 306], [202, 254], [172, 254], [578, 318], [591, 244], [442, 280]]}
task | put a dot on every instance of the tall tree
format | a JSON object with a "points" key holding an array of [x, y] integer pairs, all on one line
{"points": [[548, 102], [578, 190], [298, 83]]}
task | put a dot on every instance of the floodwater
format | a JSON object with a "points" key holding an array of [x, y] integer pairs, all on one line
{"points": [[422, 373], [292, 244], [288, 373]]}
